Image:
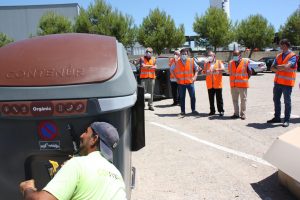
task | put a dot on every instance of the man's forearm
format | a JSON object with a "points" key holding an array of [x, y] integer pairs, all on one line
{"points": [[195, 76], [32, 194], [147, 66], [274, 68], [173, 74], [29, 194]]}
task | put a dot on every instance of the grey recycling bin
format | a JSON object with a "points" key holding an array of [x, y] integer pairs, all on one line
{"points": [[51, 89], [162, 88]]}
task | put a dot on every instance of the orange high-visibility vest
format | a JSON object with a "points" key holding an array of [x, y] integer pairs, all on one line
{"points": [[213, 77], [171, 63], [184, 73], [148, 72], [238, 74], [287, 76]]}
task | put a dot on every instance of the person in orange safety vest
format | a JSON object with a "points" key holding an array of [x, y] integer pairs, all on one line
{"points": [[239, 74], [147, 74], [174, 85], [285, 68], [213, 69], [186, 71]]}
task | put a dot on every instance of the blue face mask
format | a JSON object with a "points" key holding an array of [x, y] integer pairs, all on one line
{"points": [[235, 58]]}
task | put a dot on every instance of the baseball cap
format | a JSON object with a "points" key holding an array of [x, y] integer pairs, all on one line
{"points": [[109, 138]]}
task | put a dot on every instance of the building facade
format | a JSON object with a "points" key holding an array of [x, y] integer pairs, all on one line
{"points": [[224, 4], [21, 22]]}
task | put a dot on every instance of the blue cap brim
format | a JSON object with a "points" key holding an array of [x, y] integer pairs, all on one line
{"points": [[106, 151]]}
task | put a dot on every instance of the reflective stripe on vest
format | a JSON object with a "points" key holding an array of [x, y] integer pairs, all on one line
{"points": [[213, 78], [238, 74], [148, 72], [288, 76], [184, 73]]}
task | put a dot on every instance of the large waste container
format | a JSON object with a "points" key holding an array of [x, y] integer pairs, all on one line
{"points": [[162, 88], [51, 89]]}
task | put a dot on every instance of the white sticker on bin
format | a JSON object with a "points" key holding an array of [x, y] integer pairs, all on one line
{"points": [[117, 103]]}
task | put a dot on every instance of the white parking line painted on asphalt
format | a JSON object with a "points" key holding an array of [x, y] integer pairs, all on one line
{"points": [[282, 115], [225, 149]]}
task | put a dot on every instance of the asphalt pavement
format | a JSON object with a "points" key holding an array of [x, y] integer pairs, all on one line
{"points": [[211, 157]]}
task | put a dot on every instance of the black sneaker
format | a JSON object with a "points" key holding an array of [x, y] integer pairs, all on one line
{"points": [[274, 120], [151, 108], [221, 114], [211, 113], [194, 112], [182, 114], [234, 117], [285, 124]]}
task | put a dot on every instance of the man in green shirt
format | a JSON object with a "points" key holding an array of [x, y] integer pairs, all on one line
{"points": [[88, 177]]}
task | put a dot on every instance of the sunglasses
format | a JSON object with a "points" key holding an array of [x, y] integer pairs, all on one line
{"points": [[148, 52]]}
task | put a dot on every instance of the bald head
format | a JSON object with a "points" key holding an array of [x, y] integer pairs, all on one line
{"points": [[236, 53]]}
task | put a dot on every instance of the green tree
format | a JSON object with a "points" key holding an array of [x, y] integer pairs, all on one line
{"points": [[255, 32], [291, 29], [214, 26], [4, 39], [101, 19], [52, 23], [158, 31]]}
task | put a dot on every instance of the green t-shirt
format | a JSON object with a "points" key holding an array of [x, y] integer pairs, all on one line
{"points": [[89, 177]]}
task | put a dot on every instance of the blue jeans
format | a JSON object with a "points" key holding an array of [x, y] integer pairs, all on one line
{"points": [[278, 90], [182, 91]]}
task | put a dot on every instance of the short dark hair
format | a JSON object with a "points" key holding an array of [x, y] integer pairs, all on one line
{"points": [[285, 42], [184, 50]]}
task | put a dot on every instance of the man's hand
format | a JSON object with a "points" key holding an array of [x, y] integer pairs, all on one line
{"points": [[26, 185], [30, 192], [284, 67], [281, 68], [194, 78], [274, 68], [148, 66]]}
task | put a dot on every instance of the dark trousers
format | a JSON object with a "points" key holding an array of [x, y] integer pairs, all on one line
{"points": [[278, 90], [175, 92], [182, 92], [211, 94]]}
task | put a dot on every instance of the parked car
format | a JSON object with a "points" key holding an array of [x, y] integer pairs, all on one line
{"points": [[256, 67], [268, 60]]}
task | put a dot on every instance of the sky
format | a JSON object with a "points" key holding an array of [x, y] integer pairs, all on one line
{"points": [[184, 12]]}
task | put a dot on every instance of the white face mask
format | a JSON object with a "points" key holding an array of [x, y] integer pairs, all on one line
{"points": [[183, 57], [148, 54], [210, 59]]}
